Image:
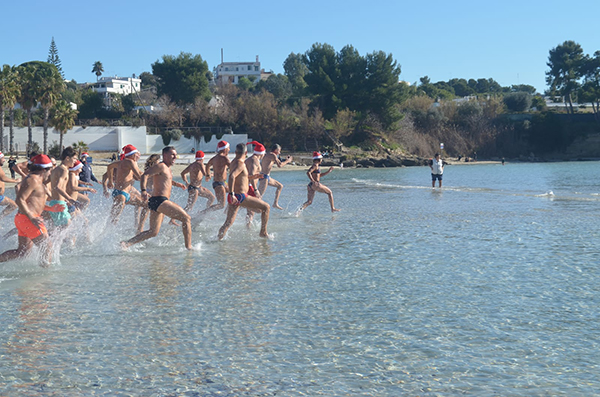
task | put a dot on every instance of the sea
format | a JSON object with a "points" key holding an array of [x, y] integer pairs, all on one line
{"points": [[489, 286]]}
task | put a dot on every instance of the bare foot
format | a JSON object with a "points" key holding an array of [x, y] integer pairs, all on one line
{"points": [[335, 210], [124, 245], [264, 234], [174, 223], [277, 206]]}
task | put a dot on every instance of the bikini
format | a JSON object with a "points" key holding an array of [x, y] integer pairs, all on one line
{"points": [[155, 201], [317, 171]]}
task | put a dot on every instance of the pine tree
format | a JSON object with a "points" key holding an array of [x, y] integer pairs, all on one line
{"points": [[54, 59]]}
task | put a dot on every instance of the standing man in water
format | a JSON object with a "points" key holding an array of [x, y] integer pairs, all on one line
{"points": [[253, 167], [194, 186], [127, 172], [238, 194], [266, 165], [5, 201], [31, 200], [219, 164], [437, 169], [159, 203]]}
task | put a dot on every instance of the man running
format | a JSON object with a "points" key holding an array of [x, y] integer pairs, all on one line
{"points": [[253, 167], [74, 188], [194, 188], [267, 165], [31, 200], [127, 172], [5, 201], [159, 203], [219, 164], [238, 194], [59, 178]]}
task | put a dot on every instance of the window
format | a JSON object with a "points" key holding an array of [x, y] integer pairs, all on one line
{"points": [[249, 67], [256, 68], [226, 69], [237, 69]]}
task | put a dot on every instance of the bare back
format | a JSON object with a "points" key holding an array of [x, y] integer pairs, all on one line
{"points": [[31, 197], [253, 167], [59, 180], [127, 173], [196, 171], [220, 163]]}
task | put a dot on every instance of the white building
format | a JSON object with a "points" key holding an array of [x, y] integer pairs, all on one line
{"points": [[117, 85], [231, 72]]}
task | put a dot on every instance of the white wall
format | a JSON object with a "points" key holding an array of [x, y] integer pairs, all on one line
{"points": [[112, 139]]}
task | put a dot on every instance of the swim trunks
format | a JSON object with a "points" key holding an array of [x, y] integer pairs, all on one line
{"points": [[436, 176], [155, 201], [220, 183], [239, 196], [60, 218], [26, 228], [266, 177], [117, 192], [191, 188], [1, 199], [251, 191]]}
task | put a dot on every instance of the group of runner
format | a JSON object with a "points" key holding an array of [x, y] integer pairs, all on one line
{"points": [[50, 194]]}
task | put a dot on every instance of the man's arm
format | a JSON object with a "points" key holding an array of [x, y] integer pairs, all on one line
{"points": [[19, 170], [155, 169], [4, 178], [282, 163], [208, 165], [184, 173], [56, 176]]}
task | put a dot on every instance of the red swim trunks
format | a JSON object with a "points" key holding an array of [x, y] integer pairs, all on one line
{"points": [[251, 191], [27, 229]]}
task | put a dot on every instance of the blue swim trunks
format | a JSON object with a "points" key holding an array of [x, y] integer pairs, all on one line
{"points": [[239, 196], [117, 192], [60, 218], [1, 199], [266, 177]]}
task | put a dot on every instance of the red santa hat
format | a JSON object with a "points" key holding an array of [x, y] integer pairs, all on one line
{"points": [[128, 150], [317, 155], [258, 147], [122, 156], [222, 145], [1, 155], [85, 155], [41, 160], [77, 166], [199, 155]]}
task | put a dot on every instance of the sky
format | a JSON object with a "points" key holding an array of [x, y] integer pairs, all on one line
{"points": [[507, 40]]}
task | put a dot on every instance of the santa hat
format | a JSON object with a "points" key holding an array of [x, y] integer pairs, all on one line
{"points": [[199, 155], [317, 155], [122, 156], [1, 155], [41, 160], [258, 147], [222, 145], [85, 155], [77, 166], [129, 150]]}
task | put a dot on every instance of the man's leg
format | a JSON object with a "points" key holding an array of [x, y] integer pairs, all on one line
{"points": [[204, 192], [25, 245], [262, 185], [174, 211], [231, 213], [258, 205], [117, 208], [10, 206], [279, 186], [155, 223], [221, 195], [192, 197]]}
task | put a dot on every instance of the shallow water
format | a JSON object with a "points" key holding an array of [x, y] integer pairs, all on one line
{"points": [[489, 286]]}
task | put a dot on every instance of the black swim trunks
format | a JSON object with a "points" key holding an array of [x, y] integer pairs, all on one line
{"points": [[155, 201], [191, 188], [219, 183]]}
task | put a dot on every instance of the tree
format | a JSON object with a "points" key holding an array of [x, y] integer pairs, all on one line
{"points": [[28, 95], [323, 72], [80, 146], [295, 70], [277, 84], [245, 84], [517, 101], [590, 91], [148, 80], [92, 104], [62, 119], [9, 91], [49, 85], [97, 69], [182, 78], [565, 62], [54, 59]]}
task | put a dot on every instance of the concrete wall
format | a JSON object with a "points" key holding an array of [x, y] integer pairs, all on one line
{"points": [[111, 139]]}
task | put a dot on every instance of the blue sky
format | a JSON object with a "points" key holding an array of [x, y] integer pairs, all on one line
{"points": [[505, 40]]}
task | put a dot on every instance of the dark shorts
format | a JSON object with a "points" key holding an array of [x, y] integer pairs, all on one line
{"points": [[192, 188], [217, 184], [155, 201], [436, 176]]}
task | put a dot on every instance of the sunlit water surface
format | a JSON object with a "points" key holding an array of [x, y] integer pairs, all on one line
{"points": [[487, 287]]}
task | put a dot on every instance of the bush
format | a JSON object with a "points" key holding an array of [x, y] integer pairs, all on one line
{"points": [[517, 101]]}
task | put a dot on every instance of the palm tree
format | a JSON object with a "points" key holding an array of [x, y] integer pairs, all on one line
{"points": [[98, 69], [27, 98], [63, 118], [51, 84], [9, 91]]}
